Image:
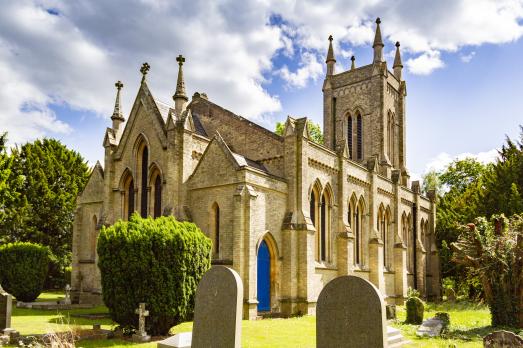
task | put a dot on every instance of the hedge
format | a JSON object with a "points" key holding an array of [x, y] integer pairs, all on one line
{"points": [[23, 270], [156, 261]]}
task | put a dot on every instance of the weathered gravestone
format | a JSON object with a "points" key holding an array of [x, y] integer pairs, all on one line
{"points": [[6, 303], [218, 309], [350, 313], [502, 339]]}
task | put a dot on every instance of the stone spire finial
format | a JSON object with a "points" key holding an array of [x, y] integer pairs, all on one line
{"points": [[331, 61], [117, 116], [398, 65], [378, 43], [179, 97], [353, 63], [144, 70], [117, 113]]}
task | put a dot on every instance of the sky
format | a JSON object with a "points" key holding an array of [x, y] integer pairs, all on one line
{"points": [[264, 60]]}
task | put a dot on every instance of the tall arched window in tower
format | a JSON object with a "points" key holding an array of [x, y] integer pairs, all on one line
{"points": [[157, 196], [143, 173], [359, 135], [390, 130], [215, 229], [349, 135]]}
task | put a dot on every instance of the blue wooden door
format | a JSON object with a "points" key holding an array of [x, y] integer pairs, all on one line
{"points": [[264, 278]]}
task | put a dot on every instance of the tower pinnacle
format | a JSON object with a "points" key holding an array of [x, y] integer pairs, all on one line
{"points": [[398, 65], [378, 43], [353, 63], [117, 116], [331, 61], [179, 97]]}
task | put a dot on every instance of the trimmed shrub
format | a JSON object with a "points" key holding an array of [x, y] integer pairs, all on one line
{"points": [[156, 261], [24, 269]]}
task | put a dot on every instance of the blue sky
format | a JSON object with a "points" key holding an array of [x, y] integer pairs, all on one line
{"points": [[59, 61]]}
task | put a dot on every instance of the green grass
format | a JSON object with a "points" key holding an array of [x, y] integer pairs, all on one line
{"points": [[468, 324]]}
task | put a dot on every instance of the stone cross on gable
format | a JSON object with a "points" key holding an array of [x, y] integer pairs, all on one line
{"points": [[145, 69], [180, 59], [142, 313]]}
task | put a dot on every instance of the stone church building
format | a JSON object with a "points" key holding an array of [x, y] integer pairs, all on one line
{"points": [[286, 213]]}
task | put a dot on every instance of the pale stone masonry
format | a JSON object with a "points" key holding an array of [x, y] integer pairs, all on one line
{"points": [[346, 207]]}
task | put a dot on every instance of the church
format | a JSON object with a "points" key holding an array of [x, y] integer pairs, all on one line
{"points": [[286, 213]]}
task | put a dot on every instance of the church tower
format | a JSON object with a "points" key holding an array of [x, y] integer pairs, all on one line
{"points": [[365, 108]]}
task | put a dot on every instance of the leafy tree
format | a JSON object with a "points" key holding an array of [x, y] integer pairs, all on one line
{"points": [[314, 131], [494, 252], [431, 181], [504, 182], [52, 176]]}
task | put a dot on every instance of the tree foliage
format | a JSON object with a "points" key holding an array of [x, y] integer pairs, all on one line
{"points": [[51, 178], [314, 131], [159, 262], [494, 252], [24, 269]]}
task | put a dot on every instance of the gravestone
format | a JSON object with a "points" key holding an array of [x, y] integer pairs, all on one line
{"points": [[6, 303], [67, 299], [141, 335], [180, 340], [390, 311], [451, 295], [502, 339], [350, 313], [431, 327], [218, 309]]}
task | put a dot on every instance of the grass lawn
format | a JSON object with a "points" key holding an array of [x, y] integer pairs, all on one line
{"points": [[469, 323]]}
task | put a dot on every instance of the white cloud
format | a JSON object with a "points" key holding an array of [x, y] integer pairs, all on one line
{"points": [[466, 58], [442, 160], [310, 69], [74, 54], [425, 63]]}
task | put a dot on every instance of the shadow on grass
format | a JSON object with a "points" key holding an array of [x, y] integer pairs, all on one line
{"points": [[68, 320], [476, 332]]}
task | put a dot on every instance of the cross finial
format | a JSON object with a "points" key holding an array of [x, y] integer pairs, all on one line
{"points": [[353, 58], [397, 44], [378, 20], [180, 59], [145, 69], [118, 85], [331, 38]]}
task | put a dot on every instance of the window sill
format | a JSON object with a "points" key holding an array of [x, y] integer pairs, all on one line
{"points": [[325, 266]]}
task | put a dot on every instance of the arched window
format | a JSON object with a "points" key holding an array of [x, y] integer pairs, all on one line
{"points": [[215, 229], [359, 130], [323, 228], [410, 245], [382, 229], [349, 135], [315, 214], [144, 175], [158, 196], [94, 236], [357, 219], [129, 199]]}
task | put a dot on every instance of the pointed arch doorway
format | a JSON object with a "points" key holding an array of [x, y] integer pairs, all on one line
{"points": [[264, 278]]}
